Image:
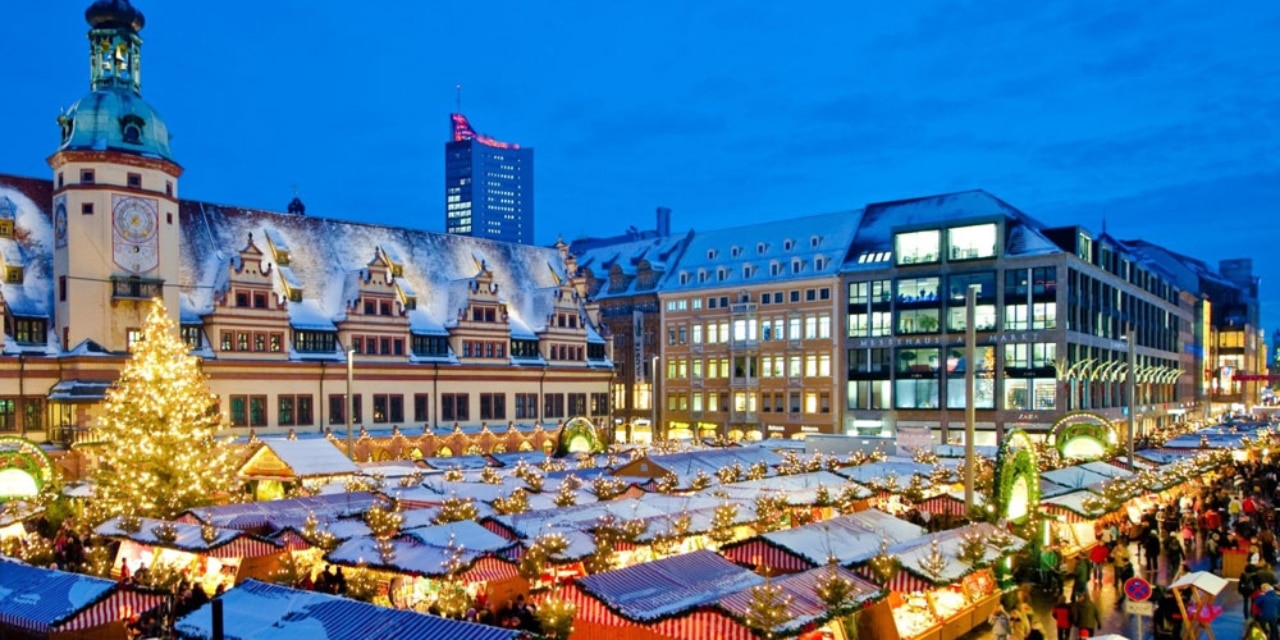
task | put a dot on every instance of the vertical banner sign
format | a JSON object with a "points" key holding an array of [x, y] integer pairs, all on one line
{"points": [[637, 345]]}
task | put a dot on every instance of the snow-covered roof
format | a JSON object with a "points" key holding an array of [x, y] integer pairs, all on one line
{"points": [[1084, 475], [189, 536], [437, 266], [797, 489], [880, 471], [669, 586], [275, 515], [801, 593], [38, 600], [30, 248], [685, 465], [309, 458], [850, 539], [261, 611], [778, 251], [625, 256], [466, 533], [912, 552], [1023, 234]]}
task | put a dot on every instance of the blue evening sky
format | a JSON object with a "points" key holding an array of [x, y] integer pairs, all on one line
{"points": [[1160, 116]]}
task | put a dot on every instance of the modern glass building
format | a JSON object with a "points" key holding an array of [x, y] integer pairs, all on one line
{"points": [[488, 186]]}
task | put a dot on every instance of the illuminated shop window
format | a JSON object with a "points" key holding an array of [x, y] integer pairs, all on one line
{"points": [[918, 247], [973, 242]]}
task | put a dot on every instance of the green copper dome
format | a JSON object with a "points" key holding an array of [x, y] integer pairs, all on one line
{"points": [[115, 120], [114, 117]]}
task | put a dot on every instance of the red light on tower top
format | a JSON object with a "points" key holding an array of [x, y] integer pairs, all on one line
{"points": [[462, 131]]}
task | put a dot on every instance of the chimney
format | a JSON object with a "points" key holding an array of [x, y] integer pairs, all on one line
{"points": [[664, 221]]}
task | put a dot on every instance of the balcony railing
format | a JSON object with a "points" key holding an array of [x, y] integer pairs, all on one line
{"points": [[132, 288]]}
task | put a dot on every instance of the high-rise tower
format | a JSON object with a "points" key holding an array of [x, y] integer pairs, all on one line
{"points": [[488, 186], [115, 198]]}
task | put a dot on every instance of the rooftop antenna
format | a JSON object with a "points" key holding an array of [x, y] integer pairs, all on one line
{"points": [[458, 97]]}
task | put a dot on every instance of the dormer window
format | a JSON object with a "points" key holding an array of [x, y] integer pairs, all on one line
{"points": [[684, 277], [788, 244], [131, 129], [819, 263], [702, 276], [797, 265], [775, 268], [747, 271], [13, 275], [711, 254], [815, 241], [6, 228], [735, 252], [761, 248], [722, 274]]}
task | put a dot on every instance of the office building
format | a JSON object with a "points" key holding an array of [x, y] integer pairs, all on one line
{"points": [[488, 186]]}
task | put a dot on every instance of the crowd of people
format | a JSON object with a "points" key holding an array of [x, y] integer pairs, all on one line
{"points": [[1229, 520]]}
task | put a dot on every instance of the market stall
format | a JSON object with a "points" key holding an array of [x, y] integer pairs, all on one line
{"points": [[850, 540], [208, 555], [45, 603], [940, 585]]}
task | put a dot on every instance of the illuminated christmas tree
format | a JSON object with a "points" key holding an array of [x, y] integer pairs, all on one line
{"points": [[722, 523], [768, 609], [159, 454]]}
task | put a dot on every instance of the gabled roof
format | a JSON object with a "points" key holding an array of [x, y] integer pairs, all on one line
{"points": [[297, 459], [669, 586], [275, 515], [851, 539], [801, 592], [260, 611]]}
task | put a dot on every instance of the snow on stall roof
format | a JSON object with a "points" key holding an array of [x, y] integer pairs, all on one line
{"points": [[309, 458], [900, 469], [256, 610], [669, 586], [408, 555], [38, 599], [1074, 501], [465, 533], [797, 489], [292, 512], [686, 464], [801, 591], [189, 538], [949, 543], [850, 539]]}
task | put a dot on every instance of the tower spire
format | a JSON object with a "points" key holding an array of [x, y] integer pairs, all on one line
{"points": [[115, 49]]}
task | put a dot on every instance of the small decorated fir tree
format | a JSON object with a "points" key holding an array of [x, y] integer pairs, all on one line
{"points": [[768, 609]]}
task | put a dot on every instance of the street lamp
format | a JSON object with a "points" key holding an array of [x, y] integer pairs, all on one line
{"points": [[351, 357], [1132, 388]]}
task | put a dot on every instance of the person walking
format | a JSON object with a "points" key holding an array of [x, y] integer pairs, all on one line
{"points": [[1062, 618], [1085, 616], [1098, 557], [1266, 609], [1001, 628]]}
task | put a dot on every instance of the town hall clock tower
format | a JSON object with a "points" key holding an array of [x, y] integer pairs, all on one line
{"points": [[115, 199]]}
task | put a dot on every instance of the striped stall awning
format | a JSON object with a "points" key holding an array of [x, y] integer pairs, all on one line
{"points": [[244, 547], [943, 504], [758, 553], [700, 623], [1070, 516], [292, 541], [406, 504], [904, 582], [490, 569], [121, 605], [497, 528]]}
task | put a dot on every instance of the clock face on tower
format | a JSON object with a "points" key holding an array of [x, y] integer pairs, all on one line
{"points": [[60, 221], [136, 241]]}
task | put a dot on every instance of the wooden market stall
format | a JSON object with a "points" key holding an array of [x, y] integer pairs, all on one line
{"points": [[209, 555], [261, 610], [674, 598], [809, 615], [45, 603], [937, 593], [277, 464], [850, 540], [420, 559]]}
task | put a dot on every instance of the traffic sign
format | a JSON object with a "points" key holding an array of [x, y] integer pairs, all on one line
{"points": [[1138, 589], [1134, 608]]}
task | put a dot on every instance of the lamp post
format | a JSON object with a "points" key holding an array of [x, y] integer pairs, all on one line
{"points": [[970, 396], [653, 394], [351, 358], [1132, 387]]}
